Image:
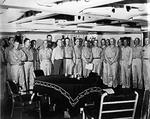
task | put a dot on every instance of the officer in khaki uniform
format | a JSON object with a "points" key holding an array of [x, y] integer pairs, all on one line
{"points": [[86, 58], [146, 74], [111, 57], [78, 61], [35, 51], [97, 57], [146, 64], [69, 59], [16, 58], [104, 64], [126, 61], [58, 57], [119, 45], [11, 42], [28, 64], [45, 55], [137, 64]]}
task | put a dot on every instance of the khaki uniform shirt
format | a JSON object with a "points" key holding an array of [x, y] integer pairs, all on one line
{"points": [[87, 54], [127, 54], [16, 57], [78, 52], [146, 51], [69, 52], [7, 52], [97, 52], [45, 54], [29, 53], [137, 52], [111, 54]]}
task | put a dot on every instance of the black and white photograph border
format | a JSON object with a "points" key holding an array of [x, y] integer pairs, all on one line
{"points": [[74, 59]]}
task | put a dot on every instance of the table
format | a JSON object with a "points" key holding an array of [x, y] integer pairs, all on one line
{"points": [[71, 90]]}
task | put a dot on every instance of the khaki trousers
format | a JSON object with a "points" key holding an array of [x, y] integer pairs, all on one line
{"points": [[112, 72], [68, 66], [78, 67], [125, 74], [17, 75], [46, 66], [29, 74], [97, 66], [146, 74], [137, 73]]}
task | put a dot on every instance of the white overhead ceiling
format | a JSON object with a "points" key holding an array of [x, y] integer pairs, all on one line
{"points": [[88, 15]]}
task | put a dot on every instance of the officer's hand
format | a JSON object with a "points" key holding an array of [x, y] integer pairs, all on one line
{"points": [[129, 66]]}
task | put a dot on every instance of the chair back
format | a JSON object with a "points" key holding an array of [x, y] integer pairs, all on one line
{"points": [[12, 88], [121, 106], [38, 73]]}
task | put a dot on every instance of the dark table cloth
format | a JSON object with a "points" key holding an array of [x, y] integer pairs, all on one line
{"points": [[68, 90]]}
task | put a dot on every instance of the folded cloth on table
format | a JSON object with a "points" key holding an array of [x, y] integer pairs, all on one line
{"points": [[89, 66]]}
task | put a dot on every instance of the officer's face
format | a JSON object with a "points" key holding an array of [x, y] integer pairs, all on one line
{"points": [[49, 38], [11, 41], [95, 43], [27, 43], [125, 42], [45, 44], [136, 41], [107, 42], [77, 42], [111, 42], [146, 41], [34, 44], [86, 43], [16, 45], [103, 42], [67, 41], [59, 43], [119, 43]]}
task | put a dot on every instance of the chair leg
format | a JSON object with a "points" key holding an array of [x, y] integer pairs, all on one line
{"points": [[82, 113], [21, 114], [54, 107], [40, 116], [12, 110], [145, 103]]}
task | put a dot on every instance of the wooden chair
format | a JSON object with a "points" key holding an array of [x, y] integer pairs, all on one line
{"points": [[116, 106], [22, 101]]}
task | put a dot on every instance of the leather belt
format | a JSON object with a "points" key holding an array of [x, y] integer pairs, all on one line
{"points": [[136, 58], [68, 58], [78, 58], [17, 64], [146, 58], [46, 60], [29, 61], [58, 59]]}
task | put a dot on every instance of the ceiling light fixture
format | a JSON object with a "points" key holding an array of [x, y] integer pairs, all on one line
{"points": [[128, 8], [113, 10]]}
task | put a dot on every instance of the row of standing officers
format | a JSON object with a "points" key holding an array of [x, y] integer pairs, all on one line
{"points": [[113, 63]]}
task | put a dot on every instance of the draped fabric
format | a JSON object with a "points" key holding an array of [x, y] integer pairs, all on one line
{"points": [[71, 90]]}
